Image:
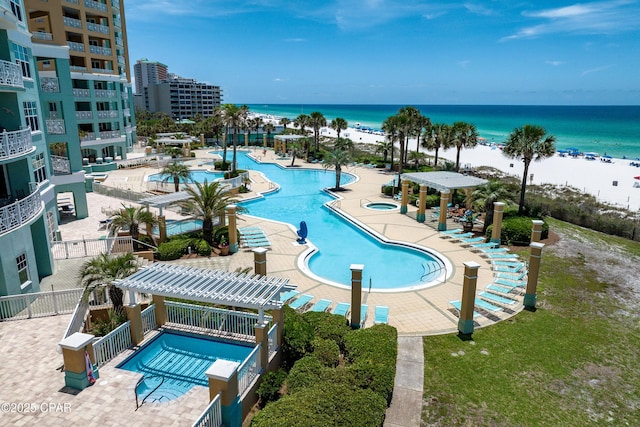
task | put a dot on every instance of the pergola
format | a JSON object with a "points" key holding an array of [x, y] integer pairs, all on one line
{"points": [[283, 140], [165, 200], [444, 180], [210, 286]]}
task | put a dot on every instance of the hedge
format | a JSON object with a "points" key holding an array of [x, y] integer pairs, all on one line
{"points": [[307, 372], [328, 326], [269, 389], [297, 337], [327, 352], [516, 230], [177, 247]]}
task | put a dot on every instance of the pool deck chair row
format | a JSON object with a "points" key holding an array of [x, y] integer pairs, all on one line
{"points": [[286, 296], [321, 305], [300, 302], [452, 231], [458, 306], [381, 315]]}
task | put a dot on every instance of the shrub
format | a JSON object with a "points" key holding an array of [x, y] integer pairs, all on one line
{"points": [[328, 326], [307, 372], [202, 247], [432, 200], [269, 389], [172, 249], [220, 166], [326, 351], [297, 337], [516, 230], [387, 190], [103, 327]]}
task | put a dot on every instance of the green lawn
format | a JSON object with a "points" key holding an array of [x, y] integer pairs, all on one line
{"points": [[572, 362]]}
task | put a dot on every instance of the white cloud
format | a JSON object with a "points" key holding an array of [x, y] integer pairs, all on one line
{"points": [[554, 63], [596, 70], [479, 9]]}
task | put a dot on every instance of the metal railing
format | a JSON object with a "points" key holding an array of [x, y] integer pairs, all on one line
{"points": [[107, 134], [75, 46], [79, 318], [92, 247], [49, 84], [39, 304], [215, 319], [72, 22], [95, 5], [84, 115], [41, 35], [249, 370], [112, 344], [81, 93], [118, 193], [108, 114], [15, 143], [211, 416], [16, 214], [106, 93], [56, 126], [77, 68], [61, 165], [148, 319], [10, 74], [273, 340], [99, 50]]}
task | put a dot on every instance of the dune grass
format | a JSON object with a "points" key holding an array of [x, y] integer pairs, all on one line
{"points": [[572, 362]]}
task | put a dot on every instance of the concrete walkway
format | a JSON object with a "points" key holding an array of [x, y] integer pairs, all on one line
{"points": [[406, 405]]}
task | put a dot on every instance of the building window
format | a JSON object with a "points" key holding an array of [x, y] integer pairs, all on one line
{"points": [[16, 9], [51, 226], [39, 171], [31, 115], [22, 56], [23, 270]]}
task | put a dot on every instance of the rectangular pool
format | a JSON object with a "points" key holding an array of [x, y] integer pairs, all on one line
{"points": [[172, 363]]}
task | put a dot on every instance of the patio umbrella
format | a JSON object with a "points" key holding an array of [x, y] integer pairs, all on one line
{"points": [[636, 177]]}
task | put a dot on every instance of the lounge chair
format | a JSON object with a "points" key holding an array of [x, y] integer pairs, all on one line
{"points": [[496, 298], [256, 243], [381, 315], [458, 306], [484, 245], [363, 313], [512, 276], [480, 303], [321, 305], [506, 269], [494, 250], [301, 302], [474, 240], [452, 231], [503, 255], [455, 237], [512, 264], [286, 296], [342, 309], [510, 283], [500, 289]]}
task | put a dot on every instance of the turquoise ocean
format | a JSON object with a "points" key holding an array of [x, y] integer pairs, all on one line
{"points": [[614, 130]]}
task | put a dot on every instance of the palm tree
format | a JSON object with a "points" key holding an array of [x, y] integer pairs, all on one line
{"points": [[233, 117], [256, 125], [284, 122], [336, 158], [384, 147], [338, 124], [175, 171], [465, 136], [295, 146], [528, 143], [417, 157], [317, 121], [485, 195], [390, 128], [302, 121], [436, 137], [102, 271], [268, 128], [131, 218], [208, 201]]}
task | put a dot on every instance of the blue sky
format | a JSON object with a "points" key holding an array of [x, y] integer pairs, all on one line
{"points": [[397, 51]]}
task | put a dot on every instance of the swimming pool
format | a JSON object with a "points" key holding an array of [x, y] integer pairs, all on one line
{"points": [[388, 267], [197, 175], [381, 206], [182, 226], [173, 363]]}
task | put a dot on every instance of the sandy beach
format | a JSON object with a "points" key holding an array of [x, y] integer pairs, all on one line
{"points": [[610, 182]]}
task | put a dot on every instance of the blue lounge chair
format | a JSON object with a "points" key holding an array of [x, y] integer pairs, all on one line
{"points": [[452, 231], [342, 309], [493, 250], [500, 289], [256, 243], [480, 303], [512, 264], [496, 298], [510, 283], [460, 236], [484, 245], [363, 313], [301, 302], [501, 256], [475, 240], [506, 269], [288, 295], [458, 306], [321, 305], [512, 276], [381, 315]]}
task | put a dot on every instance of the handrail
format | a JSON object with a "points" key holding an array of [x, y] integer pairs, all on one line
{"points": [[153, 248], [152, 391], [212, 414]]}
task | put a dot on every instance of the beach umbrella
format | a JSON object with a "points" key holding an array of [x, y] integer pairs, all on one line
{"points": [[607, 157], [636, 177]]}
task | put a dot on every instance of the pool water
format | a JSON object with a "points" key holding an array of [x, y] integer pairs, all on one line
{"points": [[340, 243], [175, 227], [175, 363], [381, 206], [197, 175]]}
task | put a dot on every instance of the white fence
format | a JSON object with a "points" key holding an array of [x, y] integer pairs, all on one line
{"points": [[39, 304], [92, 247], [112, 344], [249, 370], [212, 415], [149, 319], [273, 340], [216, 319], [79, 318]]}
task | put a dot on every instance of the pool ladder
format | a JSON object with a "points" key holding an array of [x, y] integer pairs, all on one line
{"points": [[140, 382]]}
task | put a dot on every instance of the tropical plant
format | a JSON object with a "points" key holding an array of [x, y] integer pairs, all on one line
{"points": [[295, 146], [131, 218], [417, 157], [102, 271], [391, 129], [317, 121], [268, 128], [528, 143], [284, 122], [386, 148], [338, 124], [176, 171], [484, 196], [208, 201], [233, 117], [465, 135], [337, 159], [437, 136]]}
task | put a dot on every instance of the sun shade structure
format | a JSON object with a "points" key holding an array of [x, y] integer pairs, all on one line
{"points": [[211, 286], [444, 180], [165, 200]]}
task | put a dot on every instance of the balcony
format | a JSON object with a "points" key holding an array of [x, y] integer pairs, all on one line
{"points": [[73, 1], [72, 22], [95, 5], [84, 115], [81, 93], [61, 165], [97, 28], [117, 22], [99, 50], [49, 84], [10, 74], [110, 114], [103, 93], [14, 215], [77, 68], [102, 70], [108, 134], [89, 136], [124, 95], [119, 41], [126, 112], [121, 60], [56, 127], [39, 35], [16, 143], [75, 46]]}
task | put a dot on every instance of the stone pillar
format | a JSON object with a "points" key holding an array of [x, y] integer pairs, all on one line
{"points": [[75, 365], [405, 197], [465, 322], [468, 202], [246, 139], [356, 294], [498, 209], [202, 139], [278, 318], [264, 140], [420, 217], [160, 310], [134, 314], [532, 275], [444, 202], [536, 230], [233, 232], [260, 261], [162, 228], [223, 380], [262, 337]]}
